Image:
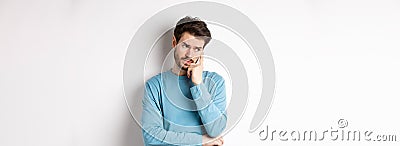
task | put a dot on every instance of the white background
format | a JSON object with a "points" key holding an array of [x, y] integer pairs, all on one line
{"points": [[61, 65]]}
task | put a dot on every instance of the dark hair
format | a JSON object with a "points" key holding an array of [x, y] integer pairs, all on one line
{"points": [[193, 26]]}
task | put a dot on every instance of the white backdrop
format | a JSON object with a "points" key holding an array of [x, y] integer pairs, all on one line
{"points": [[61, 64]]}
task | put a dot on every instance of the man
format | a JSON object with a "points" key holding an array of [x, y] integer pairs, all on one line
{"points": [[185, 105]]}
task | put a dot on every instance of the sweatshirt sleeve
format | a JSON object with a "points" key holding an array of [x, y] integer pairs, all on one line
{"points": [[211, 105], [152, 123]]}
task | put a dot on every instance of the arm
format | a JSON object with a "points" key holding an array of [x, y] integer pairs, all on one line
{"points": [[152, 123], [211, 106]]}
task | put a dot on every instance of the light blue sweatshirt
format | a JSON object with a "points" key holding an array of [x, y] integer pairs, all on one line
{"points": [[177, 112]]}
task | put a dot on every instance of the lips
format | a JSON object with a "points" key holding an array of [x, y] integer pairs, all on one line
{"points": [[189, 61]]}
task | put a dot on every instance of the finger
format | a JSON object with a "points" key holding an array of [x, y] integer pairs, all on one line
{"points": [[195, 62], [189, 72], [220, 141], [217, 142]]}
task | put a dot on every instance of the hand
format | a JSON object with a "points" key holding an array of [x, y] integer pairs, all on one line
{"points": [[209, 141], [195, 71]]}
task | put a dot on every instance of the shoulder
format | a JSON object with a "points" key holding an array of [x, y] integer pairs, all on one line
{"points": [[154, 81], [153, 85]]}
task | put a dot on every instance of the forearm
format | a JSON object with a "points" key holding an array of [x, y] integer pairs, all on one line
{"points": [[155, 134], [153, 126], [212, 113], [160, 136], [213, 125]]}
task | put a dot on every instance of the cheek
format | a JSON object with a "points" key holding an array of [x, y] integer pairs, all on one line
{"points": [[179, 54]]}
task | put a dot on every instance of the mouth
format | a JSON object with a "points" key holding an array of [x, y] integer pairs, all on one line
{"points": [[188, 61]]}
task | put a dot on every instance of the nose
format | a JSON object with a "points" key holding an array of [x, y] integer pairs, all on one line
{"points": [[190, 52]]}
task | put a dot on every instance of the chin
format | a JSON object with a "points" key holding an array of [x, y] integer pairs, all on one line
{"points": [[184, 68]]}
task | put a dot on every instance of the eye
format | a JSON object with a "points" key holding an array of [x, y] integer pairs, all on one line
{"points": [[198, 49], [185, 46]]}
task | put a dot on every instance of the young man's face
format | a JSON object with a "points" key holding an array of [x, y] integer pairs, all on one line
{"points": [[187, 50]]}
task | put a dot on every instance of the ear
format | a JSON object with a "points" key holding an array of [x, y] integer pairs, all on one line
{"points": [[173, 41]]}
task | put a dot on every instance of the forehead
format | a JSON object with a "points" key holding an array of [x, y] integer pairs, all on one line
{"points": [[191, 40]]}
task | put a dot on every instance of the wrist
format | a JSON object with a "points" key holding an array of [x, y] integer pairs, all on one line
{"points": [[196, 83]]}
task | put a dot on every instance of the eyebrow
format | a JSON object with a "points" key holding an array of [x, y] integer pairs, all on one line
{"points": [[186, 44], [189, 45]]}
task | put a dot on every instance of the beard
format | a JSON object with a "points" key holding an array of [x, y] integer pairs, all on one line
{"points": [[184, 68], [181, 66], [178, 62]]}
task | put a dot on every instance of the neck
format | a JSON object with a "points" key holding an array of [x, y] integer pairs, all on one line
{"points": [[178, 71]]}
